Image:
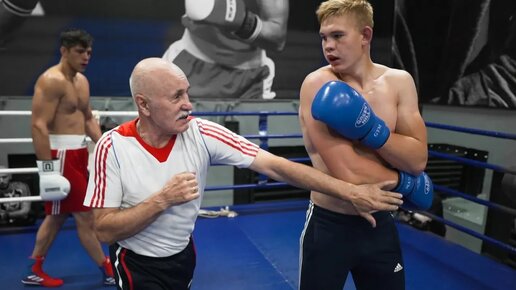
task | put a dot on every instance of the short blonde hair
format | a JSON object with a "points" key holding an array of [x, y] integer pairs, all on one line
{"points": [[361, 9]]}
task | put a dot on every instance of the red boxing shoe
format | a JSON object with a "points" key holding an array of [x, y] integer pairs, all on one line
{"points": [[36, 276], [108, 278]]}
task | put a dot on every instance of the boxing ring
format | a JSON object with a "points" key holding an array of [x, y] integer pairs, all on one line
{"points": [[259, 248]]}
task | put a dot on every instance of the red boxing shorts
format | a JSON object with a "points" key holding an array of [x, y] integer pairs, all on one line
{"points": [[72, 150]]}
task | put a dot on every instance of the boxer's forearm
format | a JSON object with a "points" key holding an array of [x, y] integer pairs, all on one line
{"points": [[92, 129], [405, 153], [41, 142]]}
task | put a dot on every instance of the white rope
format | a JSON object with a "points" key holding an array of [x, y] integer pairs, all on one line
{"points": [[100, 113], [16, 113], [21, 198], [217, 213], [28, 113], [118, 113], [24, 140], [18, 170], [15, 140], [29, 140]]}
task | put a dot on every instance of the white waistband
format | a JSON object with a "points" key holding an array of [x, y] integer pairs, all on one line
{"points": [[67, 141]]}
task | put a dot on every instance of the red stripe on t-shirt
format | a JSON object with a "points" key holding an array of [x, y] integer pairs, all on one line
{"points": [[98, 149], [239, 148], [104, 175], [100, 171], [96, 180], [227, 133], [229, 138]]}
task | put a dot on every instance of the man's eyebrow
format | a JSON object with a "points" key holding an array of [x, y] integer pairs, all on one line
{"points": [[331, 31]]}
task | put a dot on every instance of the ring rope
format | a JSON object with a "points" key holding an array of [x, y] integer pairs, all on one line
{"points": [[21, 198], [209, 188], [263, 135], [471, 232], [484, 202], [472, 131], [15, 140], [463, 160], [18, 170], [279, 184], [280, 113], [471, 162], [253, 136]]}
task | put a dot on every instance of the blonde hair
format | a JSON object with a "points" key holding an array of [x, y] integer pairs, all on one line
{"points": [[361, 9]]}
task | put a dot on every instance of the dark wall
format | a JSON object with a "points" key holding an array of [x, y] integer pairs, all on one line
{"points": [[116, 9], [126, 31], [461, 52]]}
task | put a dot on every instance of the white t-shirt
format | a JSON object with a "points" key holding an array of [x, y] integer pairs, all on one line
{"points": [[127, 171]]}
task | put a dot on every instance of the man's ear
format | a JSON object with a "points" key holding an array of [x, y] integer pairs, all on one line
{"points": [[63, 50], [142, 104], [367, 34]]}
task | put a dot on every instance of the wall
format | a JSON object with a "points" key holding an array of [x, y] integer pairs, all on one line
{"points": [[501, 151]]}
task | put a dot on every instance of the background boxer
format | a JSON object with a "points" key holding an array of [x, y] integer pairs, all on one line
{"points": [[335, 241], [223, 47], [61, 119]]}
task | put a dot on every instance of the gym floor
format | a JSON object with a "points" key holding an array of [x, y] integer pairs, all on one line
{"points": [[258, 250]]}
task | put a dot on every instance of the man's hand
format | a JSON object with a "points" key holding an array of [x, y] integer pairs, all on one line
{"points": [[181, 188], [370, 197]]}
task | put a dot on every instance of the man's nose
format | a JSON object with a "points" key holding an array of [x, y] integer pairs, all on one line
{"points": [[329, 46], [187, 104]]}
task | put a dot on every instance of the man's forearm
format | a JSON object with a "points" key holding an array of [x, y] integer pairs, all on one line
{"points": [[93, 130], [41, 143], [306, 177], [121, 224], [405, 153]]}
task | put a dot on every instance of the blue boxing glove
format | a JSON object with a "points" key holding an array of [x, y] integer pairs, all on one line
{"points": [[342, 108], [417, 190]]}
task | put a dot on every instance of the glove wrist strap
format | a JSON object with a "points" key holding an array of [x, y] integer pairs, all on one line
{"points": [[48, 166], [251, 27]]}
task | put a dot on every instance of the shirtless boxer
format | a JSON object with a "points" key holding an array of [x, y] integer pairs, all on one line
{"points": [[61, 120], [360, 123]]}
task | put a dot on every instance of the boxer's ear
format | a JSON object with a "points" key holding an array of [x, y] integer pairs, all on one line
{"points": [[367, 35]]}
